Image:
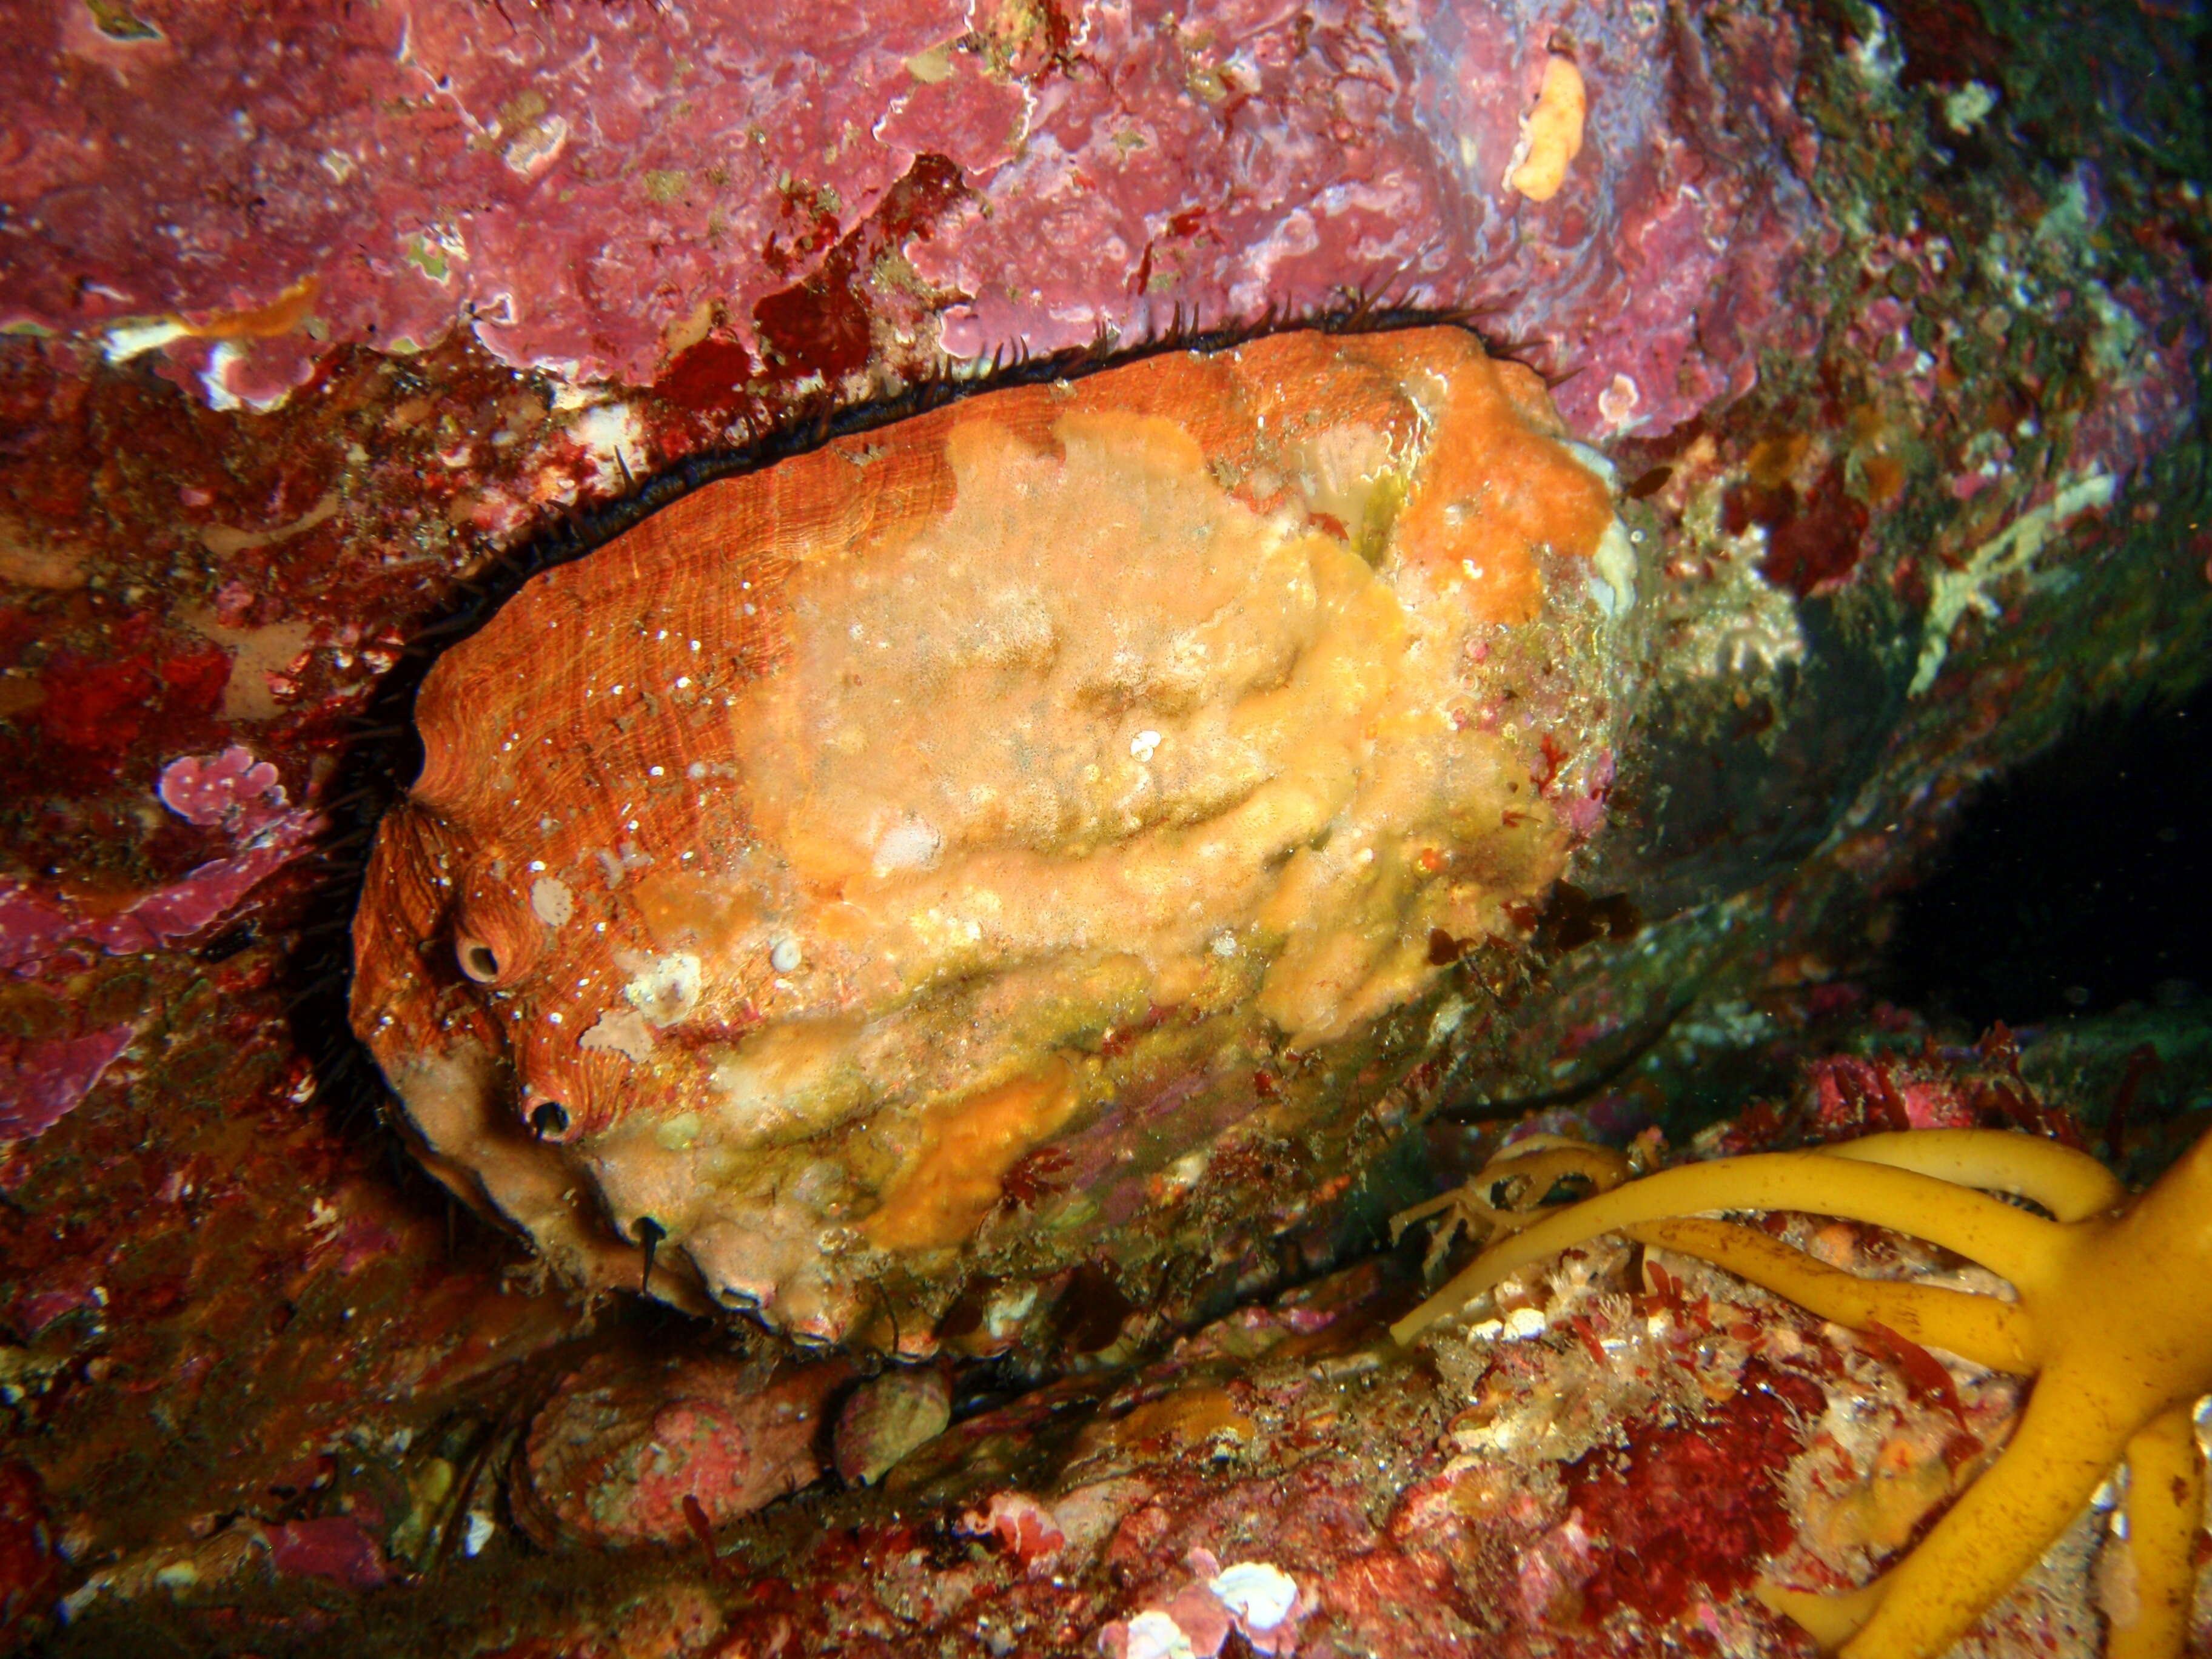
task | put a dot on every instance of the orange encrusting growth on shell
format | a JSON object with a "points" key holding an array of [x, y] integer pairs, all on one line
{"points": [[967, 1148], [1478, 505], [783, 864]]}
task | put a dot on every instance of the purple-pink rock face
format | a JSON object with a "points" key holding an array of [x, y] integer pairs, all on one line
{"points": [[591, 190]]}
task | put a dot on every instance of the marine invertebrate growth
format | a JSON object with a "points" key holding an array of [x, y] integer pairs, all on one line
{"points": [[1087, 766], [2112, 1319], [1551, 133]]}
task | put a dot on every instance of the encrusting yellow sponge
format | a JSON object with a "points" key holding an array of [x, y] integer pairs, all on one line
{"points": [[2114, 1320], [1551, 133]]}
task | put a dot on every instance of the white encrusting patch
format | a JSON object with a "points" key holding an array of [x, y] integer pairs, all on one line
{"points": [[664, 989], [552, 901], [2010, 552], [910, 844], [613, 440], [1613, 573], [1258, 1592], [127, 340], [621, 1031]]}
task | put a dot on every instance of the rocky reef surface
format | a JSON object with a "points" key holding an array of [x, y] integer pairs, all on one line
{"points": [[328, 324]]}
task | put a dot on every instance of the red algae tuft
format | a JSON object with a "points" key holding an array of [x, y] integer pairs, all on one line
{"points": [[30, 1569], [1696, 1506]]}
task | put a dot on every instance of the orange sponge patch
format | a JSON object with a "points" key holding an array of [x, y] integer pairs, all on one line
{"points": [[967, 1146], [1551, 133]]}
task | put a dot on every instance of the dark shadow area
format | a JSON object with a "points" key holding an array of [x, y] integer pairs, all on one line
{"points": [[2077, 884]]}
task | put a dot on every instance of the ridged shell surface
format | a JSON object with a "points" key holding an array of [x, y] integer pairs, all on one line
{"points": [[929, 862]]}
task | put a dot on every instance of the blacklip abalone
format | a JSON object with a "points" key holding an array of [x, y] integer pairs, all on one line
{"points": [[941, 858]]}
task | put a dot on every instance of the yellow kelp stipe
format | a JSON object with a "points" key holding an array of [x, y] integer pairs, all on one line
{"points": [[2114, 1319]]}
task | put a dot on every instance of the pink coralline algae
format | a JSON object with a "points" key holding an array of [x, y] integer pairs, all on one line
{"points": [[336, 1548], [620, 1459], [1029, 1532], [1257, 1599], [48, 930], [234, 788], [1846, 1096], [42, 1081], [593, 192], [36, 922]]}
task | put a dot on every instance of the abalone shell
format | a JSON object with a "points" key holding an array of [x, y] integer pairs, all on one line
{"points": [[956, 855]]}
